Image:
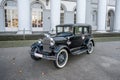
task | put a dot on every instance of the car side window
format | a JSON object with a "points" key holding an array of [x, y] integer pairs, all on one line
{"points": [[68, 29], [86, 30], [59, 29], [78, 30]]}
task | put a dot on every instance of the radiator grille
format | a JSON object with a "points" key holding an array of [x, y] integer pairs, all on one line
{"points": [[46, 44]]}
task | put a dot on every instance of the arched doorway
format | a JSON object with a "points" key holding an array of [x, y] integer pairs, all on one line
{"points": [[37, 16], [110, 20], [11, 15]]}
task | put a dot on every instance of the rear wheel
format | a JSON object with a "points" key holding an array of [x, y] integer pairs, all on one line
{"points": [[62, 58], [90, 47], [33, 51]]}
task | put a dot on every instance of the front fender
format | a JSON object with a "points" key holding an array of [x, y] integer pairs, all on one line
{"points": [[37, 45], [58, 48]]}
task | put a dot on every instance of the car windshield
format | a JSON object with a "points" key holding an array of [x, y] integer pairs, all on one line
{"points": [[64, 31]]}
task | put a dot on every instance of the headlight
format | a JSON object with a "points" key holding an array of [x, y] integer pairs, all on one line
{"points": [[52, 42], [39, 42]]}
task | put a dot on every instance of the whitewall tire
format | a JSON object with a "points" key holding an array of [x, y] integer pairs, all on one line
{"points": [[62, 58], [90, 47]]}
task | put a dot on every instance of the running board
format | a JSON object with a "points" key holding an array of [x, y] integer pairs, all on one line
{"points": [[79, 52]]}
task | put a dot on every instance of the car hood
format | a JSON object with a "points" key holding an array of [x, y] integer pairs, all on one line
{"points": [[59, 38], [55, 38]]}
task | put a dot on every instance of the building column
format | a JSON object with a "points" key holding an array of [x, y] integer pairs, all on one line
{"points": [[81, 11], [24, 17], [88, 12], [2, 20], [102, 9], [117, 17], [46, 20], [55, 14]]}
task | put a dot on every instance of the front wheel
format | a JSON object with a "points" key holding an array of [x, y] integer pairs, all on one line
{"points": [[62, 58], [90, 47]]}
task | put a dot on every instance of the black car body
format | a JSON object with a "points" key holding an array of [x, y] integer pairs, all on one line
{"points": [[69, 39]]}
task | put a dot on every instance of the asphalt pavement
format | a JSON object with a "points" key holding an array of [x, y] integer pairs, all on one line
{"points": [[102, 64]]}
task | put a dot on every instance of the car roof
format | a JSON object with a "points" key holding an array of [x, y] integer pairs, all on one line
{"points": [[73, 25]]}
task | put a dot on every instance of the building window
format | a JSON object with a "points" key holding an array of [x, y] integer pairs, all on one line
{"points": [[11, 14], [94, 17], [75, 16], [62, 16], [108, 19], [37, 15]]}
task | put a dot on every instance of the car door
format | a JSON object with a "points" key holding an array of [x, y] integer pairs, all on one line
{"points": [[76, 40]]}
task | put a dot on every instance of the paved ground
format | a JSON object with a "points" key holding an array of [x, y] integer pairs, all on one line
{"points": [[103, 64]]}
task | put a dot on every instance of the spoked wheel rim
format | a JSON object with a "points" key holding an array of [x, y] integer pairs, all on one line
{"points": [[90, 47], [62, 58]]}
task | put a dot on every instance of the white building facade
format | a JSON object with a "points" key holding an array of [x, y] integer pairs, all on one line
{"points": [[29, 16]]}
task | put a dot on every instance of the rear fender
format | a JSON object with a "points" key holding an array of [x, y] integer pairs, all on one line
{"points": [[88, 40]]}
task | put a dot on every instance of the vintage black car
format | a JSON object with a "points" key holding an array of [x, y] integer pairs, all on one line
{"points": [[69, 39]]}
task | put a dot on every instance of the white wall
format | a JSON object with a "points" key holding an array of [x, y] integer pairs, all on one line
{"points": [[69, 5], [112, 2], [2, 28], [94, 1], [43, 2]]}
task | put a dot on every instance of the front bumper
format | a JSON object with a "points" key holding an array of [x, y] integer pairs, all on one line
{"points": [[44, 55]]}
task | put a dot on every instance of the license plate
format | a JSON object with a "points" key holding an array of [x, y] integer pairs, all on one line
{"points": [[38, 55]]}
